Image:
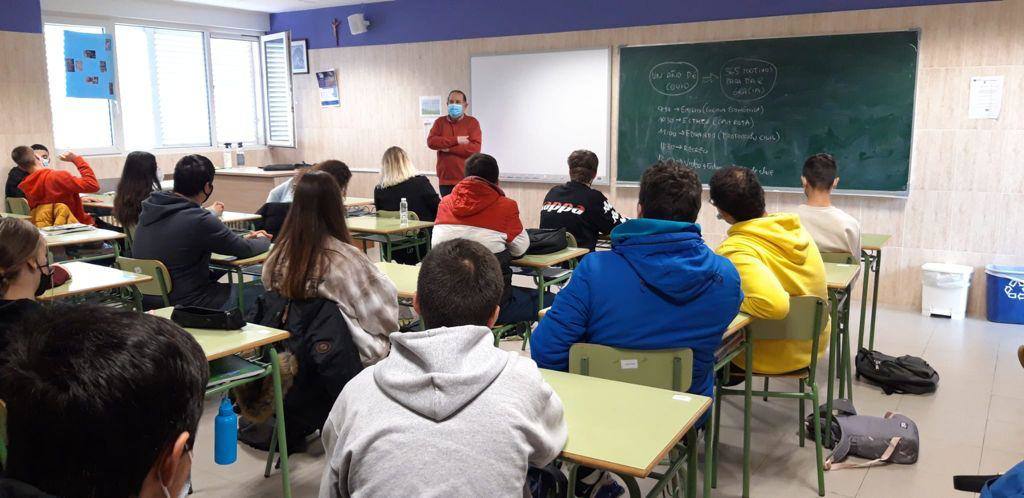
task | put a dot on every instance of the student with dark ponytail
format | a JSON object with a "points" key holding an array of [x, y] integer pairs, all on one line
{"points": [[139, 178]]}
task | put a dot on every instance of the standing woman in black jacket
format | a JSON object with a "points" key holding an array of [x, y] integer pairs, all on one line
{"points": [[398, 179]]}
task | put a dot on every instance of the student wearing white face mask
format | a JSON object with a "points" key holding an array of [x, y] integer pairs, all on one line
{"points": [[115, 417], [455, 137], [18, 174]]}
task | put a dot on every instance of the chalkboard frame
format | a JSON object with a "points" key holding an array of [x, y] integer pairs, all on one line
{"points": [[612, 136], [899, 194]]}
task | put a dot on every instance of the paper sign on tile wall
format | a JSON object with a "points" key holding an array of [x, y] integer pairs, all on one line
{"points": [[986, 98]]}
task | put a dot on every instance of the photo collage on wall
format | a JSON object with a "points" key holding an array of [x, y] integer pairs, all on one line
{"points": [[89, 65]]}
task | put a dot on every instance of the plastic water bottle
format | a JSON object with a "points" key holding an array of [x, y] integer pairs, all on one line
{"points": [[403, 212], [228, 155], [225, 434], [239, 155]]}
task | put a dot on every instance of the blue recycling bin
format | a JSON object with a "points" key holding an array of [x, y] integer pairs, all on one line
{"points": [[1005, 293]]}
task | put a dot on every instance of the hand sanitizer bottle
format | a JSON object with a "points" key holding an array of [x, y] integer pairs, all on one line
{"points": [[239, 155], [228, 155]]}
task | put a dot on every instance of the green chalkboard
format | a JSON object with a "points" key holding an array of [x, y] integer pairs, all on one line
{"points": [[768, 104]]}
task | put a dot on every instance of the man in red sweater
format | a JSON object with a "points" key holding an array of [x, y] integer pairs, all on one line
{"points": [[48, 186], [455, 137]]}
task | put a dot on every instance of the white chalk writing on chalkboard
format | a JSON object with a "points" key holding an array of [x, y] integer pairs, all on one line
{"points": [[746, 79], [674, 78]]}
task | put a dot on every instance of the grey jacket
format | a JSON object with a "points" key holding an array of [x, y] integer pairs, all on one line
{"points": [[446, 414], [182, 235]]}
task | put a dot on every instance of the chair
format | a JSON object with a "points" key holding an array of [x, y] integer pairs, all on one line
{"points": [[838, 257], [805, 320], [18, 205], [160, 285], [390, 243], [840, 316], [670, 369]]}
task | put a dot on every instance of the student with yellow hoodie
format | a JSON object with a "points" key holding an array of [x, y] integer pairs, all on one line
{"points": [[776, 258]]}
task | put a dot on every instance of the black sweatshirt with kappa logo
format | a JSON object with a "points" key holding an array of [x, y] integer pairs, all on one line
{"points": [[583, 211]]}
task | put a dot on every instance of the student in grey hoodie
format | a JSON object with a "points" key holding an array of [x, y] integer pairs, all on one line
{"points": [[176, 230], [447, 413]]}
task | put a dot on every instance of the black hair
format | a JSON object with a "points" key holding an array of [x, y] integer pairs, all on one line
{"points": [[460, 283], [582, 166], [138, 180], [460, 92], [820, 170], [483, 165], [40, 147], [338, 170], [736, 191], [95, 396], [670, 191], [24, 157], [192, 173]]}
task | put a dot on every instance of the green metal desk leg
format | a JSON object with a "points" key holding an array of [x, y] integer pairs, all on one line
{"points": [[866, 259], [691, 463], [571, 471], [748, 355], [387, 248], [708, 451], [137, 297], [241, 290], [282, 441], [874, 298], [839, 329], [833, 357], [847, 353], [542, 288]]}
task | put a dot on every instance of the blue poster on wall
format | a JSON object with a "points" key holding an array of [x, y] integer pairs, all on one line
{"points": [[89, 65]]}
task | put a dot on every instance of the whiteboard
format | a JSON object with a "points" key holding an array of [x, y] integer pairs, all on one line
{"points": [[535, 109]]}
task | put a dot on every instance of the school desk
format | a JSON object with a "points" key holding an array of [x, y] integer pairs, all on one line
{"points": [[544, 275], [357, 201], [871, 255], [389, 232], [235, 268], [632, 434], [839, 278], [87, 277], [15, 216], [218, 344], [84, 237], [403, 276], [245, 188], [98, 201]]}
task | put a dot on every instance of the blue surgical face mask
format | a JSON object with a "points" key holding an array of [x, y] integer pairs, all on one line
{"points": [[46, 163], [455, 110]]}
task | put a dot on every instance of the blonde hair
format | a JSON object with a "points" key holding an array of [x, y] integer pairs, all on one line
{"points": [[395, 167]]}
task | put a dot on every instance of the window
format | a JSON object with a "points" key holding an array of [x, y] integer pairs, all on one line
{"points": [[277, 78], [162, 74], [236, 85], [176, 88], [84, 125]]}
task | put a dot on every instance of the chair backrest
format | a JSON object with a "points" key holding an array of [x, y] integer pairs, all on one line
{"points": [[160, 285], [804, 323], [838, 257], [395, 214], [661, 368], [18, 205], [570, 239]]}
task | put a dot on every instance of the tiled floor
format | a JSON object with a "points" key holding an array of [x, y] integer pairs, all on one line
{"points": [[971, 425]]}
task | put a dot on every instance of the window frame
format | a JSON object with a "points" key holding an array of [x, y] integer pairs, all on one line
{"points": [[109, 25]]}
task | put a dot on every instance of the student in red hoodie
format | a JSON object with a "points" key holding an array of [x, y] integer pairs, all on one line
{"points": [[478, 210], [455, 137], [47, 186]]}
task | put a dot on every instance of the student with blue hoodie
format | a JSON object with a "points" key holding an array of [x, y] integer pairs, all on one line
{"points": [[660, 287]]}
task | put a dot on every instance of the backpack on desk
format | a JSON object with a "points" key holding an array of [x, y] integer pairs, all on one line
{"points": [[903, 375]]}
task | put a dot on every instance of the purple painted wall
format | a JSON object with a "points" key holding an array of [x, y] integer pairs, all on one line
{"points": [[21, 15], [406, 21]]}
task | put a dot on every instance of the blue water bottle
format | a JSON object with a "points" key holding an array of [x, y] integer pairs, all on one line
{"points": [[225, 434]]}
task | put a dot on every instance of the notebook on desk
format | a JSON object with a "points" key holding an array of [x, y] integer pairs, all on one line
{"points": [[63, 229], [230, 369]]}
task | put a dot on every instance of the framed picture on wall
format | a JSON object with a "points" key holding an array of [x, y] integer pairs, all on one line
{"points": [[300, 57]]}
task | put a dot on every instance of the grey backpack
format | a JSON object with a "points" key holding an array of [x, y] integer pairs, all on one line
{"points": [[889, 439]]}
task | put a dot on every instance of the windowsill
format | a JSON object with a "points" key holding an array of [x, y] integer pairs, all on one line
{"points": [[202, 149]]}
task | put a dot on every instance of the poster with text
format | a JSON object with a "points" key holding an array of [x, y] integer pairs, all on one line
{"points": [[88, 65], [327, 81]]}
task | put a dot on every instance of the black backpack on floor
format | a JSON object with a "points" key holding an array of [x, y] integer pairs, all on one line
{"points": [[547, 482], [903, 375]]}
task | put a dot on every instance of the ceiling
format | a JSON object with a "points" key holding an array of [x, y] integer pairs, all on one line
{"points": [[274, 6]]}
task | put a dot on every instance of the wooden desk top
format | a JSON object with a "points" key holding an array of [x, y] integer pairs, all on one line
{"points": [[873, 241], [383, 226], [403, 276], [351, 201], [15, 216], [225, 260], [840, 276], [549, 260], [86, 277], [104, 201], [737, 324], [220, 343], [253, 172], [629, 435], [234, 217], [84, 237]]}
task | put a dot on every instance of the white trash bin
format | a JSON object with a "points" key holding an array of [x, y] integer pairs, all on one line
{"points": [[944, 289]]}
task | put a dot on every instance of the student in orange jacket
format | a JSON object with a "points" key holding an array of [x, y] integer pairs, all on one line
{"points": [[50, 186], [455, 137]]}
